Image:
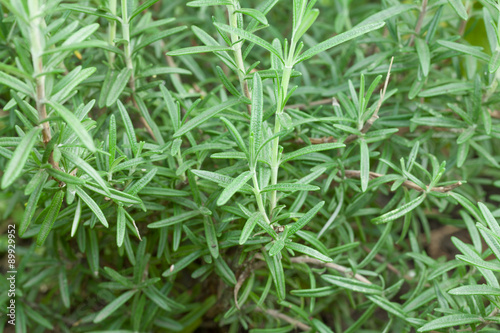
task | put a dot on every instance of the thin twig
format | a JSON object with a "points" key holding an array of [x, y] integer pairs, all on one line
{"points": [[36, 54], [374, 117], [339, 268], [243, 276], [390, 267], [277, 314], [420, 20], [484, 324], [406, 183]]}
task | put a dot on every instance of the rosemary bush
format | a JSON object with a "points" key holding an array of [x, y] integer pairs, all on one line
{"points": [[222, 165]]}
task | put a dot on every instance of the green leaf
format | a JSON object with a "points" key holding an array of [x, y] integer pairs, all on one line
{"points": [[257, 114], [204, 3], [162, 70], [401, 211], [118, 86], [308, 251], [129, 127], [145, 5], [314, 292], [339, 39], [114, 305], [94, 207], [67, 85], [198, 49], [489, 218], [386, 14], [229, 155], [174, 219], [494, 60], [250, 37], [233, 187], [482, 151], [450, 321], [469, 50], [87, 168], [16, 84], [365, 164], [156, 37], [311, 149], [50, 218], [63, 287], [235, 134], [224, 271], [424, 55], [289, 187], [172, 108], [119, 196], [480, 263], [459, 7], [380, 243], [89, 10], [306, 22], [480, 289], [183, 263], [121, 224], [352, 284], [278, 245], [76, 218], [248, 228], [139, 184], [16, 164], [305, 218], [256, 14], [63, 176], [438, 122], [229, 86], [211, 237], [32, 204], [467, 204], [204, 116], [391, 307], [276, 268], [446, 89], [73, 122], [222, 180]]}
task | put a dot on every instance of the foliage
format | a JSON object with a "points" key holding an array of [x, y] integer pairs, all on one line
{"points": [[217, 165]]}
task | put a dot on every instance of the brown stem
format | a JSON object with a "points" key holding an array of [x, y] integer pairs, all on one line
{"points": [[344, 270], [243, 276], [406, 183], [277, 314], [420, 20], [36, 54]]}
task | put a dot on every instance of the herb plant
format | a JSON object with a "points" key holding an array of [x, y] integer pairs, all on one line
{"points": [[222, 165]]}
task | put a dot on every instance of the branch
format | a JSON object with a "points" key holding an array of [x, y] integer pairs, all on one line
{"points": [[243, 276], [277, 314], [36, 55], [406, 183], [344, 270], [420, 20]]}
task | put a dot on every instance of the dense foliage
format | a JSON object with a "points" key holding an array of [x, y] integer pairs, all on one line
{"points": [[270, 166]]}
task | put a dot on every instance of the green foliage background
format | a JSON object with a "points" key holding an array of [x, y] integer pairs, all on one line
{"points": [[270, 166]]}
